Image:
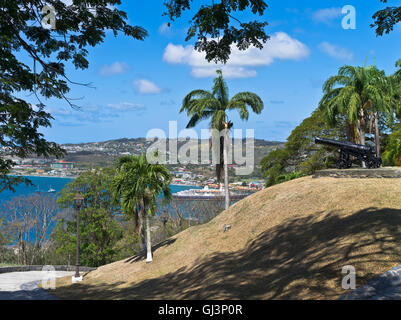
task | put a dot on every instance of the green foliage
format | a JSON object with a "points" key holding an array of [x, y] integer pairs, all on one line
{"points": [[4, 239], [99, 231], [300, 154], [214, 105], [288, 177], [137, 184], [386, 19], [355, 93], [392, 154], [130, 242], [64, 242], [319, 160], [6, 254], [214, 26]]}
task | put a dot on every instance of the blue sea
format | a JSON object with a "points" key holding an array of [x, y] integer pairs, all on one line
{"points": [[43, 184]]}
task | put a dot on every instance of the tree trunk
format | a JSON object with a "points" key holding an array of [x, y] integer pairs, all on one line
{"points": [[226, 190], [377, 134], [351, 133], [148, 240], [142, 228], [361, 126]]}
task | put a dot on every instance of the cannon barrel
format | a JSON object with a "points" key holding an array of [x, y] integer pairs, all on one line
{"points": [[344, 145], [351, 152]]}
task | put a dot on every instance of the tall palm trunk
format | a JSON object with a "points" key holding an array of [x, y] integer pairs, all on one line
{"points": [[351, 132], [226, 189], [143, 233], [377, 134], [140, 227], [361, 127], [148, 240]]}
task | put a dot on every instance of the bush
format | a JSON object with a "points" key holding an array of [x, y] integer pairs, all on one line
{"points": [[392, 154]]}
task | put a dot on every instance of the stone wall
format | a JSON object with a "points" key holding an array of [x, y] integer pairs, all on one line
{"points": [[386, 172], [39, 268]]}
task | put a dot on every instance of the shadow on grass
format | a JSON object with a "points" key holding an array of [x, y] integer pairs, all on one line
{"points": [[142, 255], [301, 258]]}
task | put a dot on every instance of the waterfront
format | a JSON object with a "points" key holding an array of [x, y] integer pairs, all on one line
{"points": [[43, 184]]}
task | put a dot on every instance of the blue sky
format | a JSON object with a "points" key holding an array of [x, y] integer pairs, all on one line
{"points": [[140, 85]]}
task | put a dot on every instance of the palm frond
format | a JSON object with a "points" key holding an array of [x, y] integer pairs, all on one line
{"points": [[247, 99], [220, 89]]}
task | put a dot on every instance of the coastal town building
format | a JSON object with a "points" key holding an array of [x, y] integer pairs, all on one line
{"points": [[62, 165]]}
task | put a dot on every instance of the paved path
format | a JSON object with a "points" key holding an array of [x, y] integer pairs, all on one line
{"points": [[24, 285]]}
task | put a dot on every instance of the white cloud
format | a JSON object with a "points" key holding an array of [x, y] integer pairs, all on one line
{"points": [[164, 28], [127, 106], [280, 46], [147, 87], [335, 51], [115, 68], [327, 15]]}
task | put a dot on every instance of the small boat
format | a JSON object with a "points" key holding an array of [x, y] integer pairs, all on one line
{"points": [[51, 190]]}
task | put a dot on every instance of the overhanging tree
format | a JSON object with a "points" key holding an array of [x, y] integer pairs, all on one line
{"points": [[217, 29], [78, 26], [386, 19]]}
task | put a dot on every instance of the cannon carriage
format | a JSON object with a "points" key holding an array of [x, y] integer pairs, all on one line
{"points": [[351, 152]]}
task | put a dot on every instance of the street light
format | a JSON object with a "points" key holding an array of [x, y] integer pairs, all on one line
{"points": [[78, 201], [164, 219]]}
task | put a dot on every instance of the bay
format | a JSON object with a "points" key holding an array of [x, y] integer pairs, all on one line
{"points": [[43, 184]]}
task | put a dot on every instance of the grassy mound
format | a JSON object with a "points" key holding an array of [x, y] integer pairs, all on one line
{"points": [[289, 241]]}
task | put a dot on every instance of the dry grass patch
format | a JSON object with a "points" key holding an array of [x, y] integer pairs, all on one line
{"points": [[289, 241]]}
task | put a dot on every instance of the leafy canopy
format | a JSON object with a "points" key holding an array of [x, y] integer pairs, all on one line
{"points": [[202, 104], [392, 153], [353, 89], [99, 231], [216, 28], [138, 183], [386, 19], [300, 154], [78, 26]]}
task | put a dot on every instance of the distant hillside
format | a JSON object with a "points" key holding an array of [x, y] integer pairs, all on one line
{"points": [[289, 241], [108, 151]]}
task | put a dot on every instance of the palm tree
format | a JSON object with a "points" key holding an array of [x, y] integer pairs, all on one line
{"points": [[136, 185], [358, 93], [214, 105]]}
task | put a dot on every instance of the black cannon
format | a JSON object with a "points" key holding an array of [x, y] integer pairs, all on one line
{"points": [[348, 150]]}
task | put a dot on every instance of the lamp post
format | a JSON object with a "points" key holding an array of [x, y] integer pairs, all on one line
{"points": [[164, 219], [78, 201]]}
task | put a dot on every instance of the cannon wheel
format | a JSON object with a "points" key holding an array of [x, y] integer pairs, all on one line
{"points": [[344, 164], [374, 163], [345, 161]]}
